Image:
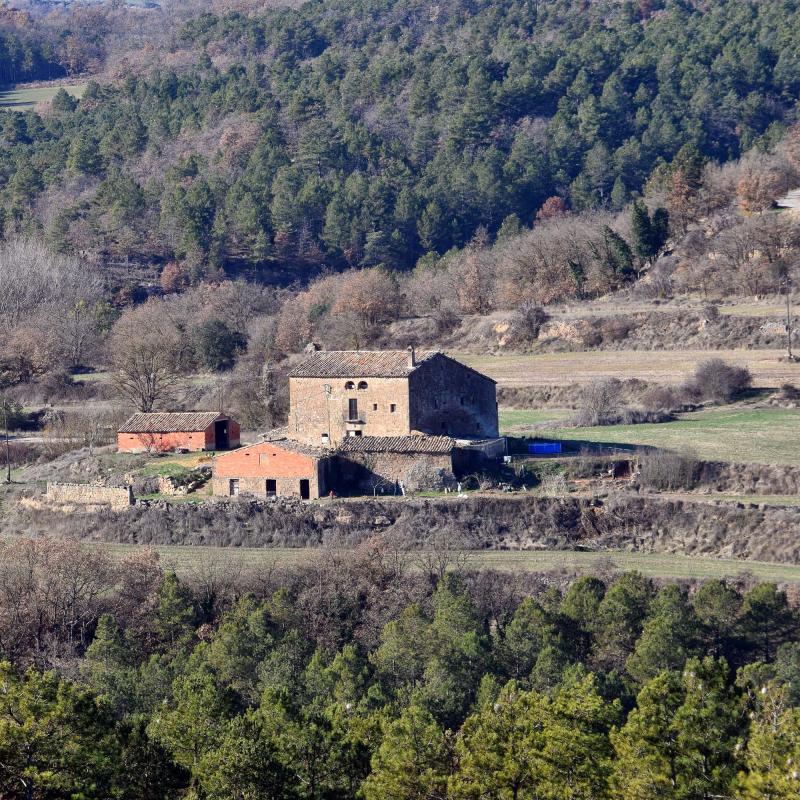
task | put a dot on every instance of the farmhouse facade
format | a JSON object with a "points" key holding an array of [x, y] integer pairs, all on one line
{"points": [[162, 432], [272, 468], [336, 395]]}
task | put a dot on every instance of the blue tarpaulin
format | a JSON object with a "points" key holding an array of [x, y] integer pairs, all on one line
{"points": [[544, 448]]}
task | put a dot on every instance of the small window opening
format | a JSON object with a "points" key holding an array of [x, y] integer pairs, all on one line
{"points": [[233, 488], [349, 385], [392, 408], [362, 384], [374, 406]]}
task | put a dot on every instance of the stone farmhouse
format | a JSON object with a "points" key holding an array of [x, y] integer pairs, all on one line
{"points": [[364, 422], [336, 395]]}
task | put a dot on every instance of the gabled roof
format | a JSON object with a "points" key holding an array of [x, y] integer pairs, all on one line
{"points": [[359, 364], [170, 422], [290, 445], [397, 444]]}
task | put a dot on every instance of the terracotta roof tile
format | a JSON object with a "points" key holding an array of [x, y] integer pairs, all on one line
{"points": [[170, 422], [358, 364], [397, 444]]}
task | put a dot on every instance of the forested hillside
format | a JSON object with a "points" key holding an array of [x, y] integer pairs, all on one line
{"points": [[372, 132], [359, 677]]}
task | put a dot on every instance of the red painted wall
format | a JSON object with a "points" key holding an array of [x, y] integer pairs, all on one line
{"points": [[161, 442], [165, 442], [264, 460]]}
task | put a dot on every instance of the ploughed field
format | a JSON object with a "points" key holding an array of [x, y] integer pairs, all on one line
{"points": [[666, 366]]}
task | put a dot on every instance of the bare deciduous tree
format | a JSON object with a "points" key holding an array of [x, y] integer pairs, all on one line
{"points": [[55, 295], [147, 355]]}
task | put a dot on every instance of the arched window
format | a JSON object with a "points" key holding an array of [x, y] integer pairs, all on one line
{"points": [[349, 385], [362, 384]]}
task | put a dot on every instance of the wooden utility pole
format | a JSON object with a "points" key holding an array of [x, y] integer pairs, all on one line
{"points": [[789, 319], [8, 446]]}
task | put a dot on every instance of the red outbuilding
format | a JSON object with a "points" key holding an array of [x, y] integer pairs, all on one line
{"points": [[190, 430], [279, 467]]}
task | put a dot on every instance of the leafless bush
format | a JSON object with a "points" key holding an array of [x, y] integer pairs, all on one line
{"points": [[660, 398], [599, 401], [790, 392], [659, 283], [446, 321], [614, 329], [19, 454], [554, 485], [719, 381], [667, 470], [527, 322]]}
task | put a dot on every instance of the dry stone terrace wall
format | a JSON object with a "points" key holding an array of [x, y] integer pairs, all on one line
{"points": [[90, 495], [626, 522]]}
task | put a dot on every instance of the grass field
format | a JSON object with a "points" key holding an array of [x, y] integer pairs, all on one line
{"points": [[187, 559], [665, 366], [776, 308], [512, 417], [21, 98], [758, 436], [754, 499]]}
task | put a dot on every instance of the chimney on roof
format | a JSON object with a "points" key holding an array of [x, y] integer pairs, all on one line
{"points": [[312, 347], [412, 358]]}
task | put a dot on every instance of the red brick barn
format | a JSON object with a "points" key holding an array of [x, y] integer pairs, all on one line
{"points": [[276, 468], [163, 432]]}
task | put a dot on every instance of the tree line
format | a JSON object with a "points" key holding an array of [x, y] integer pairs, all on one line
{"points": [[359, 676]]}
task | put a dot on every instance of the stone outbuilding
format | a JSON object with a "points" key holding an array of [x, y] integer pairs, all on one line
{"points": [[277, 468], [391, 464], [192, 431], [335, 395]]}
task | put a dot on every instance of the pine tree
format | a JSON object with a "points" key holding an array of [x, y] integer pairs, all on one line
{"points": [[413, 761], [668, 638], [245, 764], [56, 740], [107, 666], [175, 615], [644, 240], [773, 749], [679, 740], [766, 620], [620, 617]]}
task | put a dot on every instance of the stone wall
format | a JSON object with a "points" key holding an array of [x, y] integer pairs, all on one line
{"points": [[87, 494], [383, 408], [384, 472], [450, 399]]}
